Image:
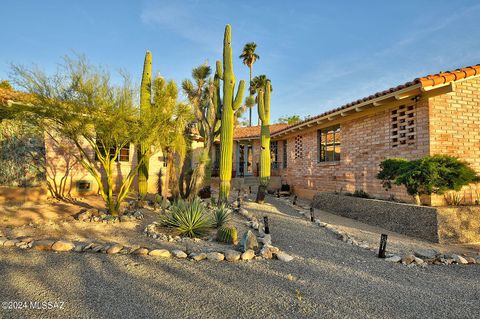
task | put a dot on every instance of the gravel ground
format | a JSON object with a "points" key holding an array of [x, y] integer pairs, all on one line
{"points": [[328, 279]]}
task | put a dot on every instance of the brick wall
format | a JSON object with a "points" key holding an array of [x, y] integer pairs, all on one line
{"points": [[366, 141], [455, 129]]}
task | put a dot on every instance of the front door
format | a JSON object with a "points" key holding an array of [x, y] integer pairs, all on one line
{"points": [[245, 159]]}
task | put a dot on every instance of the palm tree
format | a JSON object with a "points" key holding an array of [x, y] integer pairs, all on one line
{"points": [[259, 82], [249, 57]]}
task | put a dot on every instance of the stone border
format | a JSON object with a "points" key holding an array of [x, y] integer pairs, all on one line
{"points": [[420, 257]]}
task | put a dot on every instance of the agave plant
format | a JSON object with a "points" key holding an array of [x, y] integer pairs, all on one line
{"points": [[221, 216], [188, 218]]}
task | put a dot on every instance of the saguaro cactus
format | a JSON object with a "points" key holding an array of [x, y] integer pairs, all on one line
{"points": [[145, 105], [264, 115], [230, 105]]}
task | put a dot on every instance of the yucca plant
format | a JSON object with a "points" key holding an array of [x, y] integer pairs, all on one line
{"points": [[188, 218], [221, 216]]}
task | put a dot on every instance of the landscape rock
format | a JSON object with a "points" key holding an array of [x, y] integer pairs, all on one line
{"points": [[266, 240], [216, 256], [160, 253], [96, 248], [266, 253], [247, 255], [470, 260], [42, 244], [179, 253], [394, 259], [232, 255], [11, 243], [248, 241], [114, 249], [282, 256], [142, 251], [408, 259], [79, 248], [199, 257], [63, 245], [419, 261], [426, 253], [459, 260], [3, 240]]}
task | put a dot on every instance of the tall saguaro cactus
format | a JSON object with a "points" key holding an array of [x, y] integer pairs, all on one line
{"points": [[264, 115], [230, 105], [145, 105]]}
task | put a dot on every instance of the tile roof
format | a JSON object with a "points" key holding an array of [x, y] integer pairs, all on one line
{"points": [[426, 81], [254, 131], [6, 95]]}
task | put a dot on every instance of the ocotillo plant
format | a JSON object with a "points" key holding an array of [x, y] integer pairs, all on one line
{"points": [[145, 105], [230, 105], [264, 115]]}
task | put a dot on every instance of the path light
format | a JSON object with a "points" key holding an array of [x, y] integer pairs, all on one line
{"points": [[239, 202], [278, 193], [383, 246], [265, 222], [295, 200], [312, 215], [250, 189]]}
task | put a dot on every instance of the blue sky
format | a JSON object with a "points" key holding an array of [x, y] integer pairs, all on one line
{"points": [[318, 54]]}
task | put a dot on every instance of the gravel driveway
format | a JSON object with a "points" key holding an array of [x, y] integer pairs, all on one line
{"points": [[328, 279]]}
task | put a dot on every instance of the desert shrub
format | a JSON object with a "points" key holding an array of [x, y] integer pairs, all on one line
{"points": [[189, 218], [227, 234], [221, 216], [428, 175], [453, 198], [360, 193]]}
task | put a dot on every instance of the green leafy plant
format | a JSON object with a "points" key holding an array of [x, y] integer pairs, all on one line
{"points": [[227, 234], [360, 193], [428, 175], [188, 218], [221, 216]]}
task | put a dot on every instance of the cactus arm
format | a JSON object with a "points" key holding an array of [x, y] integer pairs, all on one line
{"points": [[266, 104], [219, 69], [261, 105], [239, 97]]}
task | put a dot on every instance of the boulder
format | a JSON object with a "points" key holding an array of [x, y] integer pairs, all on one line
{"points": [[160, 253], [79, 248], [266, 240], [470, 260], [283, 256], [459, 260], [266, 253], [179, 253], [63, 245], [42, 244], [426, 253], [198, 257], [114, 249], [394, 259], [232, 255], [11, 243], [249, 254], [248, 241], [142, 251], [216, 256], [408, 259]]}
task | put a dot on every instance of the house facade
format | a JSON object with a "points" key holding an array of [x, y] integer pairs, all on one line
{"points": [[340, 150]]}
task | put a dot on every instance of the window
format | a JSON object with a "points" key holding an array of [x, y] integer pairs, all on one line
{"points": [[274, 154], [123, 156], [285, 153], [298, 147], [402, 126], [329, 144]]}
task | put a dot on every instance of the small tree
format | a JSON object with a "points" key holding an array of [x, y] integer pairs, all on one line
{"points": [[80, 107], [428, 175], [290, 120]]}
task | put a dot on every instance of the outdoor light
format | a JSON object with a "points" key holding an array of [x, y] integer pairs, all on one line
{"points": [[312, 216], [295, 200], [383, 246], [239, 202], [250, 189], [267, 228]]}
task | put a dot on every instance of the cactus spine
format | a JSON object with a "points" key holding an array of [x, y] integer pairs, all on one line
{"points": [[230, 105], [264, 115], [145, 105]]}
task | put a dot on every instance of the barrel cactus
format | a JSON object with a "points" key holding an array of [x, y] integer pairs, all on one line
{"points": [[227, 234], [230, 106]]}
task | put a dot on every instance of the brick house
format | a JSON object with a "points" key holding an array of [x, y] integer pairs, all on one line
{"points": [[340, 150]]}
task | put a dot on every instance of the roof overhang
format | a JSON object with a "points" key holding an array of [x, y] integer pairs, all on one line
{"points": [[391, 99]]}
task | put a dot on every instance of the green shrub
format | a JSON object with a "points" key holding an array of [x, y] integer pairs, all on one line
{"points": [[428, 175], [221, 216], [227, 234], [360, 193], [188, 218]]}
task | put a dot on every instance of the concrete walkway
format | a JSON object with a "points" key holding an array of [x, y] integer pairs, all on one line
{"points": [[327, 279]]}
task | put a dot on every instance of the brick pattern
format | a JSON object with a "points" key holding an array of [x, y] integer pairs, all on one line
{"points": [[402, 127]]}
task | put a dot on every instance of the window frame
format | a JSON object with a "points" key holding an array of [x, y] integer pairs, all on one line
{"points": [[322, 147]]}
